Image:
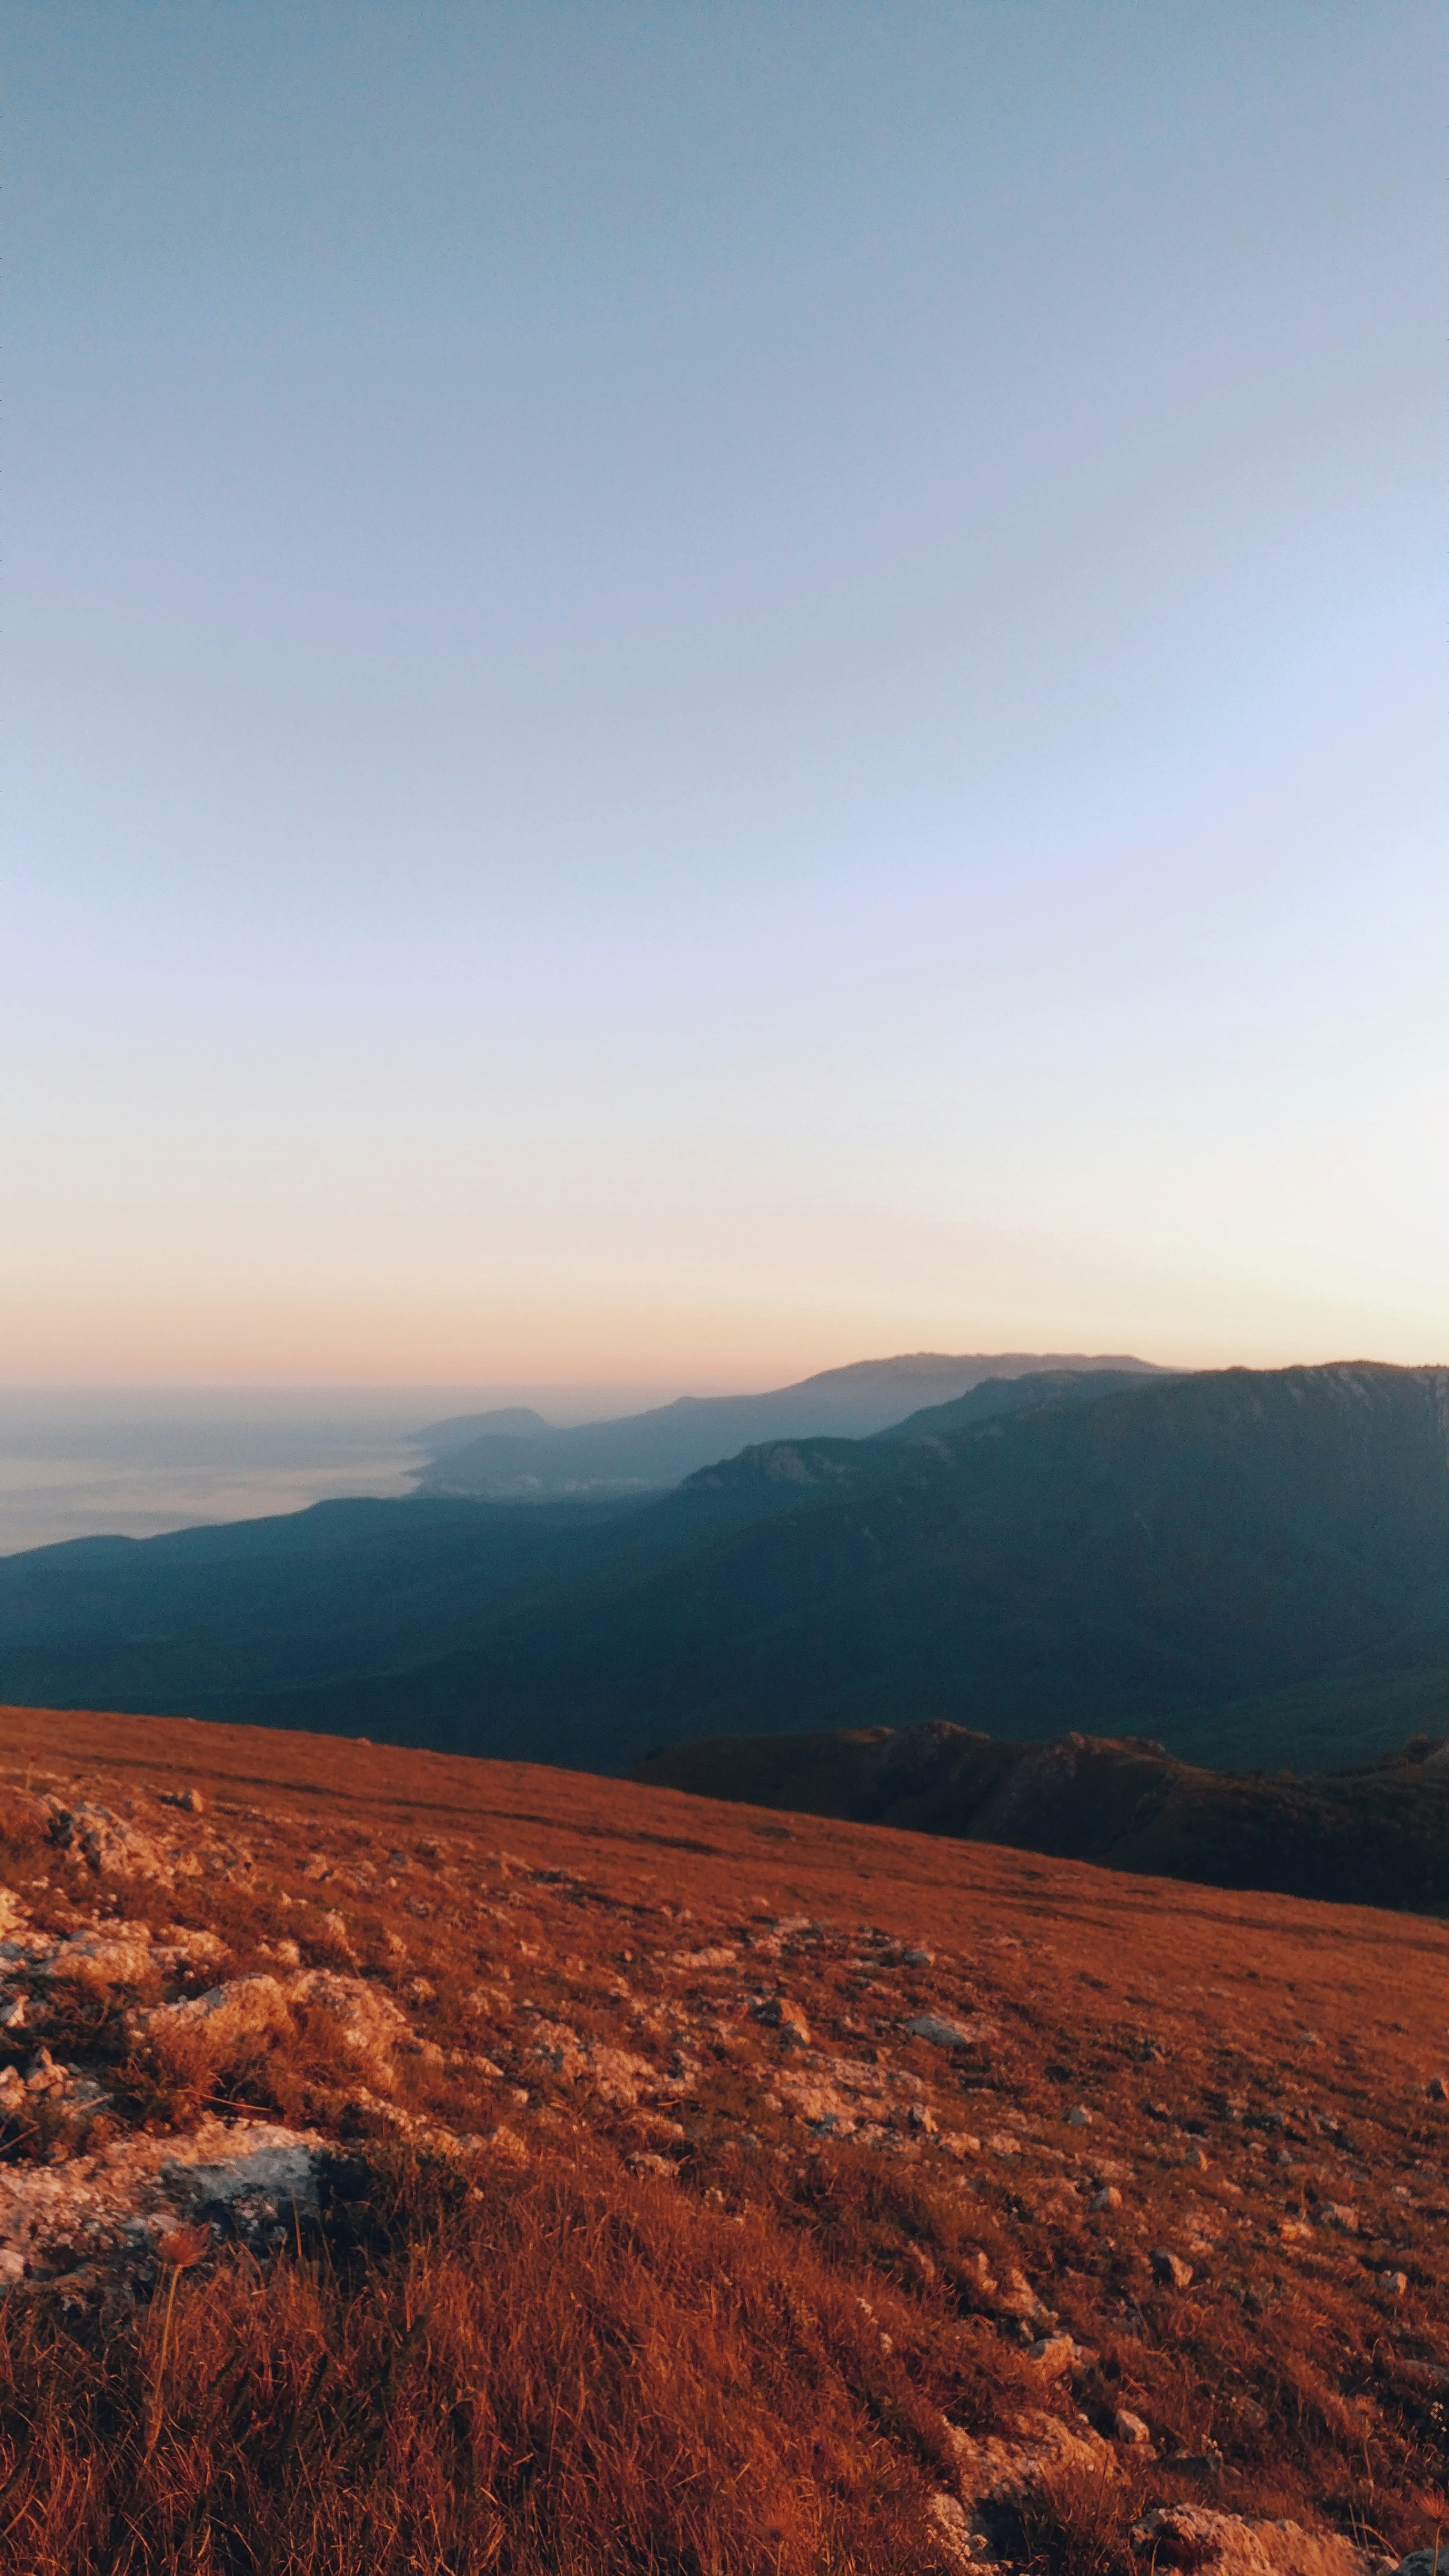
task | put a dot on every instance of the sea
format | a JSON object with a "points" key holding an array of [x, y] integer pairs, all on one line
{"points": [[128, 1462]]}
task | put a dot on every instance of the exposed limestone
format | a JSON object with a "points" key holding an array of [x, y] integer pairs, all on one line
{"points": [[363, 2015], [108, 1842], [1223, 2544], [942, 2033], [991, 2470], [251, 2176], [953, 2533], [244, 2008], [616, 2075]]}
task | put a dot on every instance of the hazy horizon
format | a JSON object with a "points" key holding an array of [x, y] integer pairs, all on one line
{"points": [[132, 1462], [695, 692], [135, 1461]]}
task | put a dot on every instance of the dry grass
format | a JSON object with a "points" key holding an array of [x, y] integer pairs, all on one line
{"points": [[744, 2368], [571, 2371]]}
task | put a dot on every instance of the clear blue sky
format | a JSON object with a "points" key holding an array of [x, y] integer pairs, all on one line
{"points": [[696, 690]]}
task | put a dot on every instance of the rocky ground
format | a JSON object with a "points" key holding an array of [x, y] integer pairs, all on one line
{"points": [[1130, 2196]]}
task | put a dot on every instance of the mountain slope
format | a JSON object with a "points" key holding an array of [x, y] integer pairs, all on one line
{"points": [[421, 2164], [993, 1398], [648, 1452], [1372, 1837], [1229, 1561], [1142, 1560]]}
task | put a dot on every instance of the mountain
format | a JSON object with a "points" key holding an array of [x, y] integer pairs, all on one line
{"points": [[1372, 1837], [994, 1397], [1252, 1566], [422, 2164], [506, 1422], [492, 1456]]}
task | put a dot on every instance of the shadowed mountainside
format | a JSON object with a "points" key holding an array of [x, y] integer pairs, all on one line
{"points": [[648, 1452], [1252, 1565], [1376, 1837], [994, 1398]]}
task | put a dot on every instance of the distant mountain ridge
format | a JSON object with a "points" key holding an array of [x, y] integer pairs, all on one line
{"points": [[993, 1398], [500, 1458], [1252, 1565]]}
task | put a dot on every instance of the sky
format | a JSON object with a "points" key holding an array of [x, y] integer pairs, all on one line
{"points": [[697, 690]]}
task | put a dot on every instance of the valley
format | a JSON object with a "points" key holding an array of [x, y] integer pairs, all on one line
{"points": [[1251, 1566]]}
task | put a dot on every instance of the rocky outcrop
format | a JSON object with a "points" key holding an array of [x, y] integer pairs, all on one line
{"points": [[246, 2180], [1192, 2536], [995, 2470]]}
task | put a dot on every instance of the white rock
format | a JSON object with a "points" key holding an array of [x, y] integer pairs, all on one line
{"points": [[1224, 2544], [942, 2033]]}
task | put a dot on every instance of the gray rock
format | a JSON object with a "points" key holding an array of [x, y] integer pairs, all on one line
{"points": [[109, 1843], [778, 2014], [940, 2032], [254, 2194]]}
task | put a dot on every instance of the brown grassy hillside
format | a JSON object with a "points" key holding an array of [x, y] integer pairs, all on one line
{"points": [[417, 2164]]}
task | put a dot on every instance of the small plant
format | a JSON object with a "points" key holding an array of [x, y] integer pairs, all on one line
{"points": [[175, 2254]]}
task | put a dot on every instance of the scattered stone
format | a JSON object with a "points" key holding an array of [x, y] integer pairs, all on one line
{"points": [[1393, 2283], [990, 2470], [1224, 2544], [1338, 2213], [1016, 2297], [777, 2014], [1437, 2088], [947, 2034], [249, 2178], [1109, 2197], [953, 2532], [1130, 2428], [243, 2008], [106, 1842], [1079, 2117], [253, 2190], [1170, 2268]]}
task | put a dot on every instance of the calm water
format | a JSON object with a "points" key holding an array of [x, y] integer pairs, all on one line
{"points": [[81, 1462]]}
